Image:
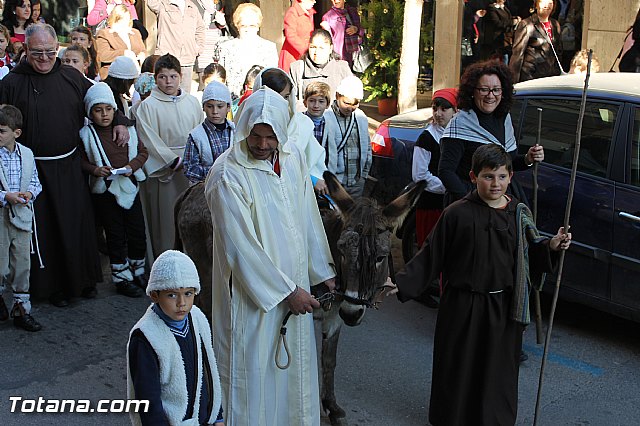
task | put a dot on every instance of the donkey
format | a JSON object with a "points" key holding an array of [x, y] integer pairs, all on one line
{"points": [[194, 236], [359, 234]]}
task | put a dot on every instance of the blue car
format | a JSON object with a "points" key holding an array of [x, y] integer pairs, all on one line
{"points": [[602, 269]]}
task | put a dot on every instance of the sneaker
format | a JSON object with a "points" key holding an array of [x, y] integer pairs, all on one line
{"points": [[129, 289], [26, 322], [4, 313]]}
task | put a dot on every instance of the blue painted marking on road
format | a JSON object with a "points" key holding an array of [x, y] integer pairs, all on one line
{"points": [[573, 364]]}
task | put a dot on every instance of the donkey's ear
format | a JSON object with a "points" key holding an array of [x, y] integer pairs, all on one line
{"points": [[398, 209], [339, 195]]}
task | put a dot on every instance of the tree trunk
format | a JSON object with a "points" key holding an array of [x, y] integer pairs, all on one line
{"points": [[409, 67]]}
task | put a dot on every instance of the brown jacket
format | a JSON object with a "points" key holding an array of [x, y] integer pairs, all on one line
{"points": [[109, 46], [532, 55], [182, 35]]}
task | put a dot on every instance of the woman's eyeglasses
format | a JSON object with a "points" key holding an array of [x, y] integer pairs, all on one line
{"points": [[497, 91]]}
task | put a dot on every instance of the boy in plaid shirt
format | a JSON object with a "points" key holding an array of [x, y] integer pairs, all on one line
{"points": [[317, 98], [210, 139], [19, 186]]}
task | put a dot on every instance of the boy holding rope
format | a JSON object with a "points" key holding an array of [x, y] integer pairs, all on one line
{"points": [[490, 255]]}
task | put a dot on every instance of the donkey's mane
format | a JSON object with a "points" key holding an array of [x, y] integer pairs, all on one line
{"points": [[365, 217]]}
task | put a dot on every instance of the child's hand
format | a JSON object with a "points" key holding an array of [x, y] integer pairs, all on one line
{"points": [[26, 196], [561, 241], [130, 170], [14, 198], [321, 187], [388, 289], [103, 171]]}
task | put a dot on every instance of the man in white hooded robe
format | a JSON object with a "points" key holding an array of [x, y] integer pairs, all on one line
{"points": [[269, 248]]}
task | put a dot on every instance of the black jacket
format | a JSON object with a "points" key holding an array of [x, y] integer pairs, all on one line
{"points": [[532, 54]]}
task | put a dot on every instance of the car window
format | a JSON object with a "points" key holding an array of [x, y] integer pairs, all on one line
{"points": [[516, 109], [635, 150], [559, 128]]}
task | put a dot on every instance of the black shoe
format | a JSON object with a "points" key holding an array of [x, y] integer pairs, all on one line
{"points": [[523, 357], [428, 300], [59, 300], [129, 289], [26, 322], [4, 313], [140, 281], [89, 292]]}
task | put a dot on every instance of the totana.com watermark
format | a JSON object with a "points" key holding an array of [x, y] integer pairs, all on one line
{"points": [[41, 405]]}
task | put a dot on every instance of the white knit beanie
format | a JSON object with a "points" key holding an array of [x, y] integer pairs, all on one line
{"points": [[173, 269], [351, 87], [216, 91], [99, 93], [124, 67]]}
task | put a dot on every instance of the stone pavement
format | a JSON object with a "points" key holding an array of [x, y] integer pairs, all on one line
{"points": [[78, 354]]}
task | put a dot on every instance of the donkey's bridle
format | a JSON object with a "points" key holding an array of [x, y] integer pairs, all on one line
{"points": [[326, 297]]}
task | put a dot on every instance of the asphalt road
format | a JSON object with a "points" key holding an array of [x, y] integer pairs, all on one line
{"points": [[383, 373]]}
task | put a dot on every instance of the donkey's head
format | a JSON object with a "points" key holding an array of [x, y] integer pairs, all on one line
{"points": [[360, 240]]}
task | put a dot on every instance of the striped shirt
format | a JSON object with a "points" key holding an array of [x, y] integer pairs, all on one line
{"points": [[12, 167]]}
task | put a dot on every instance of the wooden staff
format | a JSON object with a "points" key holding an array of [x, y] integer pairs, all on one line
{"points": [[567, 215], [537, 311]]}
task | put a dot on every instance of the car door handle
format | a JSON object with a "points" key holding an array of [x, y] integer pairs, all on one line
{"points": [[629, 216]]}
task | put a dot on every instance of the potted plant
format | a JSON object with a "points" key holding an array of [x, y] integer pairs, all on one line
{"points": [[383, 20]]}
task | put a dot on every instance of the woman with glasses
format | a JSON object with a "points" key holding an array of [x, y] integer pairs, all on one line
{"points": [[319, 63], [16, 16], [484, 99]]}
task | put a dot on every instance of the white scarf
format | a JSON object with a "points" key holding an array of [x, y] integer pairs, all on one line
{"points": [[121, 186], [465, 125]]}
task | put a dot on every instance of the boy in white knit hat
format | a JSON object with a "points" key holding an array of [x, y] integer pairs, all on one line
{"points": [[114, 172], [123, 72], [211, 138], [171, 349], [349, 152], [19, 186]]}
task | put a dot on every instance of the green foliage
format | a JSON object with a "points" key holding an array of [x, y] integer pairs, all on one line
{"points": [[426, 35], [383, 21]]}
